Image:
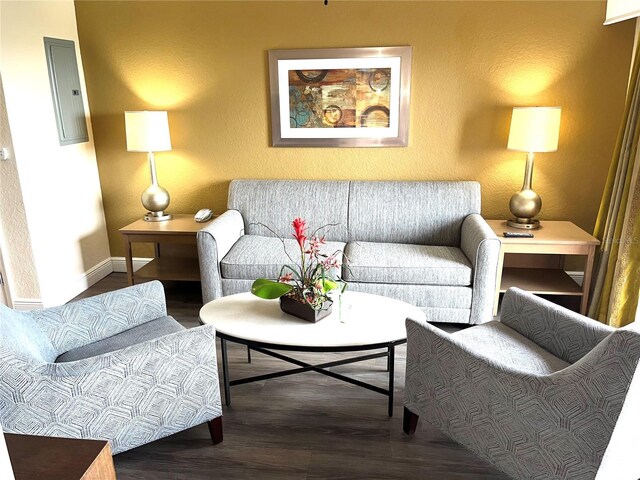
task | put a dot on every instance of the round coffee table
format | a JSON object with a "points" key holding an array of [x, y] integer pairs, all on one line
{"points": [[361, 322]]}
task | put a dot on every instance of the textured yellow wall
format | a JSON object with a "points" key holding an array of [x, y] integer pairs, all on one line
{"points": [[206, 63]]}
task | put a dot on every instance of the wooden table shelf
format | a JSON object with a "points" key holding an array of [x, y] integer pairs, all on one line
{"points": [[541, 281], [171, 268]]}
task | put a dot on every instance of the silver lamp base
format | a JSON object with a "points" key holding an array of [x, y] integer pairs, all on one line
{"points": [[155, 198], [526, 203], [156, 217], [524, 223]]}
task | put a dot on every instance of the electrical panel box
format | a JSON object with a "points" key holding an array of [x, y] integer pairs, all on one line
{"points": [[65, 90]]}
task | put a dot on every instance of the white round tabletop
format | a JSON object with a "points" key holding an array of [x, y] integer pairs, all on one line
{"points": [[365, 320]]}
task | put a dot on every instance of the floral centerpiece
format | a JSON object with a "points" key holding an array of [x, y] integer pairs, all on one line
{"points": [[303, 286]]}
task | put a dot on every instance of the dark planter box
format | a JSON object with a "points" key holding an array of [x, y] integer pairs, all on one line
{"points": [[304, 310]]}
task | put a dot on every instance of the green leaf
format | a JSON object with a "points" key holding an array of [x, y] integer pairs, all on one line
{"points": [[328, 285], [269, 290]]}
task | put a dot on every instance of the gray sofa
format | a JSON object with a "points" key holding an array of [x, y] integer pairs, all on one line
{"points": [[421, 242]]}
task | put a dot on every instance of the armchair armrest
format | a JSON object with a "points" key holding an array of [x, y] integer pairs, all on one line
{"points": [[214, 242], [566, 334], [88, 320], [482, 247], [198, 343], [429, 345]]}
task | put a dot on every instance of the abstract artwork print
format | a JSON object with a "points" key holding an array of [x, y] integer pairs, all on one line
{"points": [[339, 98]]}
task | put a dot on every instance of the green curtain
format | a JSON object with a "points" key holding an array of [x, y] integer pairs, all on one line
{"points": [[617, 276]]}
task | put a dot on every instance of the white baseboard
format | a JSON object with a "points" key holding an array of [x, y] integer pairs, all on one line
{"points": [[97, 273], [120, 265], [27, 303], [82, 282]]}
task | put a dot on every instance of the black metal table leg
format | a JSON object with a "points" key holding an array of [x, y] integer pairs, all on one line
{"points": [[392, 353], [225, 372], [268, 349]]}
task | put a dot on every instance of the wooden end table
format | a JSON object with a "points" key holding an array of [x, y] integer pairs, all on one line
{"points": [[50, 458], [537, 264], [180, 230]]}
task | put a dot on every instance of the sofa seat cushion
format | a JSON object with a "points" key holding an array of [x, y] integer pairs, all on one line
{"points": [[255, 256], [496, 341], [401, 263], [141, 333]]}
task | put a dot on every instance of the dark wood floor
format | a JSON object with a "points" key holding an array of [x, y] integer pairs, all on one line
{"points": [[305, 426]]}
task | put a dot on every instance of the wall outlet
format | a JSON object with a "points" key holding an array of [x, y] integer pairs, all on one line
{"points": [[4, 153]]}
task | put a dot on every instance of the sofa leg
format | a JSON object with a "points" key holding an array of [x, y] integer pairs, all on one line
{"points": [[215, 429], [409, 421]]}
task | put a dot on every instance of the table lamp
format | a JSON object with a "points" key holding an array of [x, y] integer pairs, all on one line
{"points": [[149, 132], [533, 129]]}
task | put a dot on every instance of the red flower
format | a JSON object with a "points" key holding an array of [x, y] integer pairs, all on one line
{"points": [[300, 228]]}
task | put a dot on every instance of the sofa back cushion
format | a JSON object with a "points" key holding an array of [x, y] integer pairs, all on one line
{"points": [[422, 213], [275, 203]]}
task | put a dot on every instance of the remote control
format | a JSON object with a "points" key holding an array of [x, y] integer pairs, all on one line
{"points": [[517, 234]]}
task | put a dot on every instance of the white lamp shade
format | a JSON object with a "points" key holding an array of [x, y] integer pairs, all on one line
{"points": [[619, 10], [147, 131], [534, 129]]}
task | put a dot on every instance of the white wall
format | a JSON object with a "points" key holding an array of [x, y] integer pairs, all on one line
{"points": [[60, 185], [620, 458]]}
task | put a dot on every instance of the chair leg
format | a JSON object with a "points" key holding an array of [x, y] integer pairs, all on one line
{"points": [[409, 421], [215, 429]]}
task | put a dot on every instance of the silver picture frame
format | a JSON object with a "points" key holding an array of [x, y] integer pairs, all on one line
{"points": [[392, 67]]}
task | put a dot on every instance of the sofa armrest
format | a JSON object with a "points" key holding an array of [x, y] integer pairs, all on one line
{"points": [[482, 247], [91, 319], [566, 334], [214, 242]]}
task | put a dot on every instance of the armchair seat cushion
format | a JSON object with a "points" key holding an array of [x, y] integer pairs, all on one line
{"points": [[255, 256], [495, 340], [156, 328], [399, 263]]}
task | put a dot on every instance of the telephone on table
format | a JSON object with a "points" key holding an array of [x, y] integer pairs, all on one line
{"points": [[203, 215]]}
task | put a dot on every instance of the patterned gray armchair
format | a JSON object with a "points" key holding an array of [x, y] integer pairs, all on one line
{"points": [[537, 394], [112, 367]]}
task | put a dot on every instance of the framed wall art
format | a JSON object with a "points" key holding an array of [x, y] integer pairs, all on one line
{"points": [[340, 97]]}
